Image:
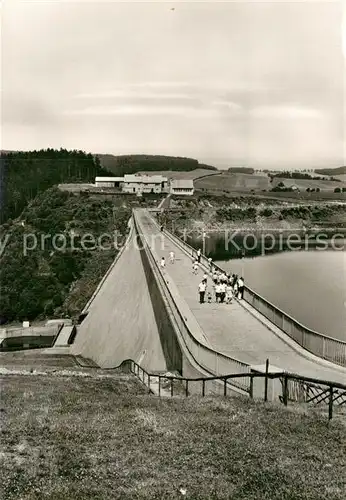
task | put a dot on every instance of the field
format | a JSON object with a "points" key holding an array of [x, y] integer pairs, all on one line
{"points": [[341, 177], [303, 184], [172, 174], [234, 182], [71, 436]]}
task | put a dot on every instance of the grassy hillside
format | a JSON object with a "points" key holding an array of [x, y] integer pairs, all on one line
{"points": [[234, 182], [221, 212], [46, 268], [341, 177], [68, 436], [303, 184], [129, 164]]}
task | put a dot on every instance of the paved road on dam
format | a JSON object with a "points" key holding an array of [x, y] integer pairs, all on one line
{"points": [[231, 328]]}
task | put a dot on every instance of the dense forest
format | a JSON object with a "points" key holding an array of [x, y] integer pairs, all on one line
{"points": [[56, 278], [130, 164], [241, 170], [25, 174]]}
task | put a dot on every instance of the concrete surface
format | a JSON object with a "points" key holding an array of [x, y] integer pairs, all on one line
{"points": [[232, 329], [121, 322]]}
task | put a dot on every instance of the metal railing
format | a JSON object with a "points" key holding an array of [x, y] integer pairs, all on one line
{"points": [[31, 331], [294, 388], [321, 345], [110, 269], [210, 360]]}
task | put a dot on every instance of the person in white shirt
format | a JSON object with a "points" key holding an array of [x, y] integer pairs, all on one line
{"points": [[171, 257], [210, 262], [240, 287], [202, 287], [222, 292], [163, 263], [195, 267], [205, 276]]}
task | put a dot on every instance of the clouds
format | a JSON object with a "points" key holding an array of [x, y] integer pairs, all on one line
{"points": [[217, 81]]}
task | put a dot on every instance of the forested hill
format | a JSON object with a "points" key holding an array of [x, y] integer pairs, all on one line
{"points": [[23, 175], [52, 260], [130, 164], [331, 171]]}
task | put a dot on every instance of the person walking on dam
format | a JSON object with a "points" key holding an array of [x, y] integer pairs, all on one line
{"points": [[171, 257], [241, 287], [163, 263], [229, 293], [195, 267], [199, 253], [202, 287]]}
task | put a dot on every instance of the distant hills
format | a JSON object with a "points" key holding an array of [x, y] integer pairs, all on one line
{"points": [[241, 170], [331, 171], [131, 164]]}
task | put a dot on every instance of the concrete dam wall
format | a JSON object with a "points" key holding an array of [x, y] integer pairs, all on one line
{"points": [[121, 322]]}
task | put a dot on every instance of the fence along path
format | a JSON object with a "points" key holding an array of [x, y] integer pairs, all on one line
{"points": [[230, 329], [188, 330]]}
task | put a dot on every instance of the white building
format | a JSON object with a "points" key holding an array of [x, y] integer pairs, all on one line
{"points": [[109, 182], [181, 186], [145, 184], [139, 184]]}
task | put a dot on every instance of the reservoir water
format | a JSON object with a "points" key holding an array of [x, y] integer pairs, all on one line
{"points": [[309, 285]]}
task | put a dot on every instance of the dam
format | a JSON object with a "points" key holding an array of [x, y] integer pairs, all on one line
{"points": [[153, 316]]}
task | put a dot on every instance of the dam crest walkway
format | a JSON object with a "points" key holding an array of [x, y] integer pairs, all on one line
{"points": [[236, 330]]}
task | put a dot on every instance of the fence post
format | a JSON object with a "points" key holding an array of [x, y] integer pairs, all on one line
{"points": [[225, 387], [172, 387], [203, 387], [187, 388], [285, 390], [251, 387], [149, 382], [266, 381], [159, 385], [330, 413]]}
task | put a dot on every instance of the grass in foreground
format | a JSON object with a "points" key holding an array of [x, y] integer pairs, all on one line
{"points": [[82, 438]]}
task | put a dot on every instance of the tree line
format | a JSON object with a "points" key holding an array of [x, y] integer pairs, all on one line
{"points": [[23, 175], [131, 164]]}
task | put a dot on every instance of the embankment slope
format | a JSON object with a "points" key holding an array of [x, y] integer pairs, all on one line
{"points": [[121, 322]]}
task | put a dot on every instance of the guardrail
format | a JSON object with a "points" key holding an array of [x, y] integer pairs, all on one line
{"points": [[210, 360], [109, 270], [31, 331], [294, 388], [321, 345]]}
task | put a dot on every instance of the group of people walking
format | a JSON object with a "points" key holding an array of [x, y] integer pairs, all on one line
{"points": [[224, 288]]}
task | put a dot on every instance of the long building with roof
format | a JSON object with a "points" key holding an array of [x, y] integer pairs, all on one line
{"points": [[139, 184]]}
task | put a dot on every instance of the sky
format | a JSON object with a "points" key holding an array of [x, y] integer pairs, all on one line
{"points": [[259, 84]]}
